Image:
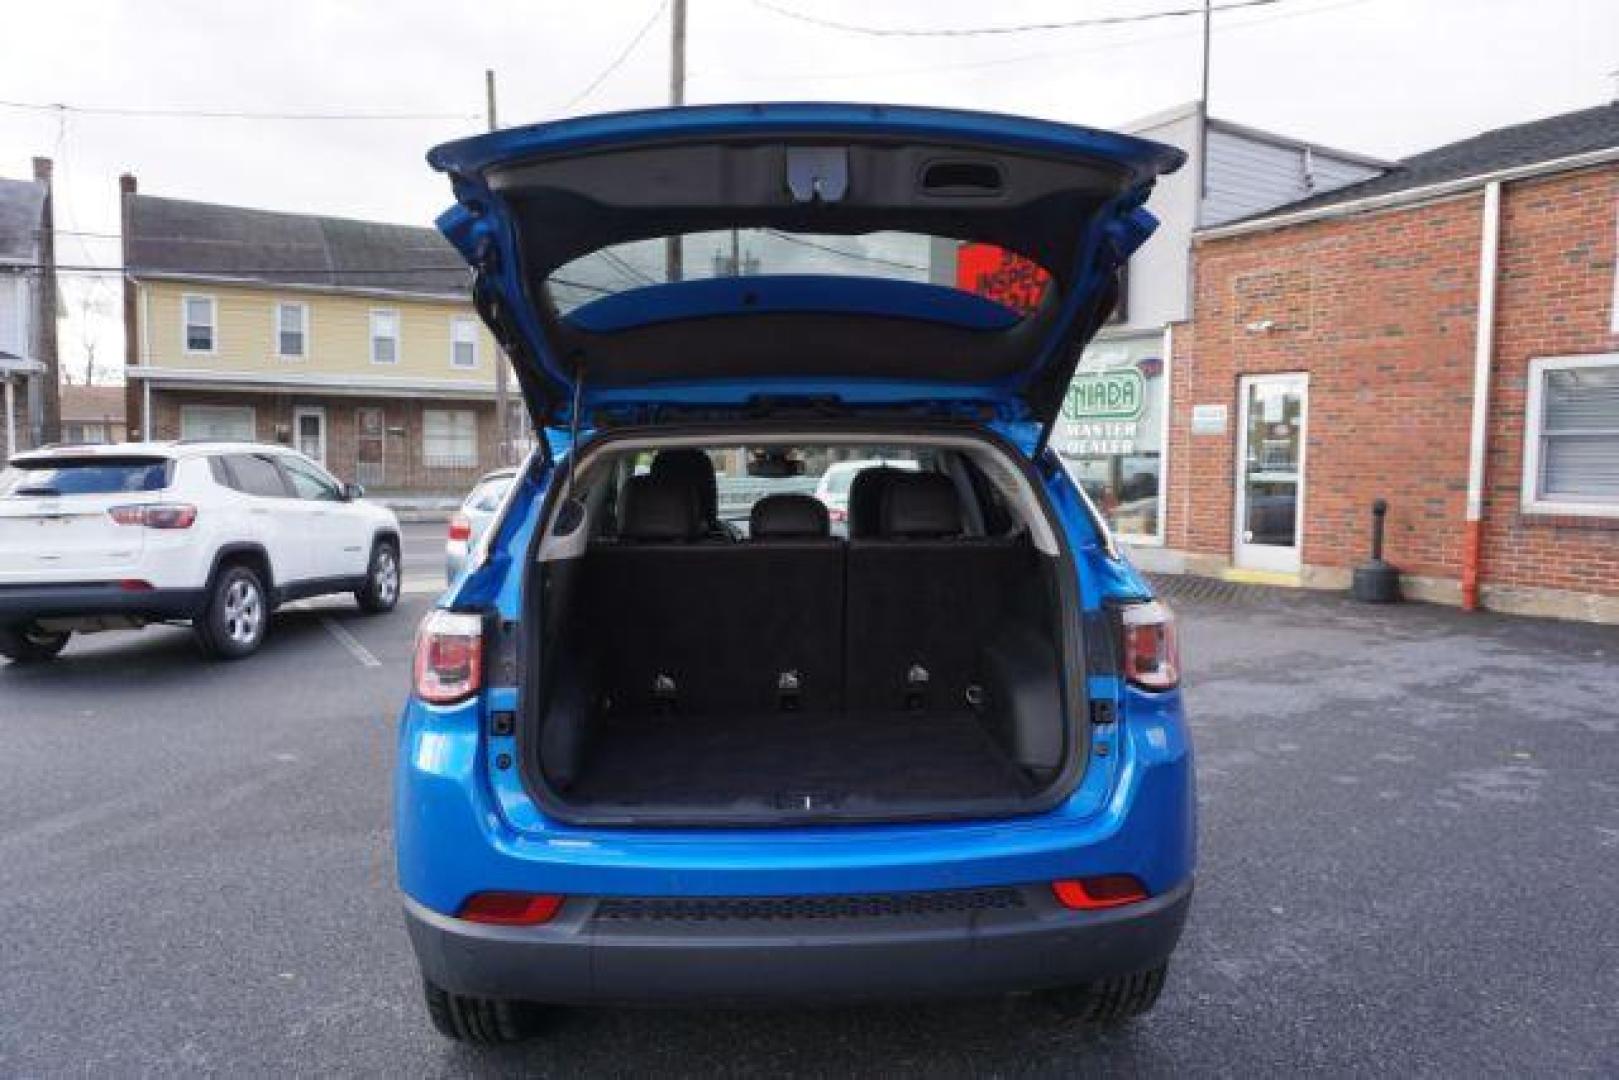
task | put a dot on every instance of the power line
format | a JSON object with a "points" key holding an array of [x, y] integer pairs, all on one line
{"points": [[855, 255], [183, 112], [617, 61], [982, 31], [1016, 58]]}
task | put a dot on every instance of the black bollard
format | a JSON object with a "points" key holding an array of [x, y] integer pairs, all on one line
{"points": [[1376, 582]]}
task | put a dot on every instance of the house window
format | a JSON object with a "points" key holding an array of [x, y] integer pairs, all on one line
{"points": [[199, 313], [449, 438], [1571, 436], [14, 315], [221, 422], [463, 342], [292, 331], [384, 336]]}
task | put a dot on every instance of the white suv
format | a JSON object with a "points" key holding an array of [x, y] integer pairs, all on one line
{"points": [[213, 533]]}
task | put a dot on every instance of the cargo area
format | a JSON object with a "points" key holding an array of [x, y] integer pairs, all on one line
{"points": [[907, 666]]}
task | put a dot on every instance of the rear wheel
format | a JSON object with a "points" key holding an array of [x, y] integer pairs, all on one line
{"points": [[483, 1021], [1108, 1001], [28, 643], [381, 589], [236, 616]]}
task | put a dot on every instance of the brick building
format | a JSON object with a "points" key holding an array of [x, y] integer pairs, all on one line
{"points": [[1444, 336]]}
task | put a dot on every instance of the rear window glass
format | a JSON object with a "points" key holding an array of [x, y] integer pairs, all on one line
{"points": [[84, 476], [984, 269]]}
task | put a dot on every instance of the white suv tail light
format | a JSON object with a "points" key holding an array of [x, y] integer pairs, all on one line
{"points": [[449, 656], [155, 515], [1151, 646]]}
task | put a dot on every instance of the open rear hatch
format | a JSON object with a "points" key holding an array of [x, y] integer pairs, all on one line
{"points": [[870, 291]]}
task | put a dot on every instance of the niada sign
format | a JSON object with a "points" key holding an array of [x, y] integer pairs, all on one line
{"points": [[1115, 394]]}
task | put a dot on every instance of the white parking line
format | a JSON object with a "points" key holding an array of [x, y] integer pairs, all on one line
{"points": [[349, 642], [415, 586]]}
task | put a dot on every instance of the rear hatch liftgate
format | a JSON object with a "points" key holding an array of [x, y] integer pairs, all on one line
{"points": [[536, 204]]}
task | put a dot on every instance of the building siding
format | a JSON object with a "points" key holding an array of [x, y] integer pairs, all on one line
{"points": [[339, 340], [1248, 176]]}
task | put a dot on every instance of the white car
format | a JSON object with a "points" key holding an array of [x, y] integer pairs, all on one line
{"points": [[211, 533]]}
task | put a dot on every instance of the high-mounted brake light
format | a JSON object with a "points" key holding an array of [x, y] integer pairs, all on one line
{"points": [[1151, 646], [510, 908], [460, 527], [1097, 893], [155, 515], [449, 656]]}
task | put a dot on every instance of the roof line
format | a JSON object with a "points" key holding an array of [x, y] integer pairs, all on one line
{"points": [[1410, 196], [310, 381], [287, 213], [272, 285]]}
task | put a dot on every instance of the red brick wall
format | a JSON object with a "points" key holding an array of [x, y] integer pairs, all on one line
{"points": [[1554, 298], [1379, 310]]}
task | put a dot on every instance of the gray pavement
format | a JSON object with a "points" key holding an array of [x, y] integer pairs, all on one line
{"points": [[1410, 864]]}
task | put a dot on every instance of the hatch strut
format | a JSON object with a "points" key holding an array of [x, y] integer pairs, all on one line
{"points": [[570, 513]]}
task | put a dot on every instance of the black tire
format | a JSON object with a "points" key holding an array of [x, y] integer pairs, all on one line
{"points": [[382, 579], [481, 1021], [1109, 1001], [236, 615], [28, 644]]}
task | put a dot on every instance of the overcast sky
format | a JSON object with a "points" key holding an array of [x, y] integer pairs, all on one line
{"points": [[1384, 77]]}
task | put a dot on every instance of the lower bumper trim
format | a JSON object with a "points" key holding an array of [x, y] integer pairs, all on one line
{"points": [[581, 958]]}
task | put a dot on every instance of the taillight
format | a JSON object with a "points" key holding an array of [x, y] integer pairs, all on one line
{"points": [[510, 908], [449, 656], [1097, 893], [838, 516], [1152, 658], [155, 515], [460, 527]]}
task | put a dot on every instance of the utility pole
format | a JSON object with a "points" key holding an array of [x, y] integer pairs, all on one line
{"points": [[672, 255], [502, 392], [1203, 113]]}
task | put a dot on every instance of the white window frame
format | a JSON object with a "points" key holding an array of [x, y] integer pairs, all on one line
{"points": [[252, 416], [213, 324], [445, 461], [275, 328], [398, 335], [1534, 410], [456, 323]]}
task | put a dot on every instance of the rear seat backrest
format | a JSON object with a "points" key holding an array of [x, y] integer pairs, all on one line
{"points": [[922, 601], [715, 628], [866, 500]]}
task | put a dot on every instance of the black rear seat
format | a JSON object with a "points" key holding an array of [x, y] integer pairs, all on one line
{"points": [[923, 600], [690, 626]]}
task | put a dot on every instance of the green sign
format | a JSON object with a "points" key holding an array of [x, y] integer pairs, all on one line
{"points": [[1116, 394]]}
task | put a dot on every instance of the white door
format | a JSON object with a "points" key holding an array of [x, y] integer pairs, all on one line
{"points": [[339, 534], [1270, 471], [309, 432]]}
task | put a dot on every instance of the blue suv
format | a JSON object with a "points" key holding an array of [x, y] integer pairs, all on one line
{"points": [[670, 738]]}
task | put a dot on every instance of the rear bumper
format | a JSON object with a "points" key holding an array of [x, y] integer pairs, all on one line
{"points": [[589, 954], [19, 603]]}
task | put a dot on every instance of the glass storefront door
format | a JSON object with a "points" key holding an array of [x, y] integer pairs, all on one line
{"points": [[1270, 472]]}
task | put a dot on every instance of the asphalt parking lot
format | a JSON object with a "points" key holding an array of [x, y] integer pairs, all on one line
{"points": [[1410, 863]]}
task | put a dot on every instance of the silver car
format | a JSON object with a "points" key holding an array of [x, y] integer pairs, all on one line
{"points": [[477, 511]]}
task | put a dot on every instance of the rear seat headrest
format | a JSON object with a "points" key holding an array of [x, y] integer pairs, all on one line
{"points": [[920, 506], [866, 500], [659, 509], [789, 517], [689, 465]]}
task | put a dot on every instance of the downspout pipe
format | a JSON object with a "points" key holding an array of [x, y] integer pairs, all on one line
{"points": [[1483, 354]]}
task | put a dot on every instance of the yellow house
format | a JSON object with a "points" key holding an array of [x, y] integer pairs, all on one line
{"points": [[354, 341]]}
